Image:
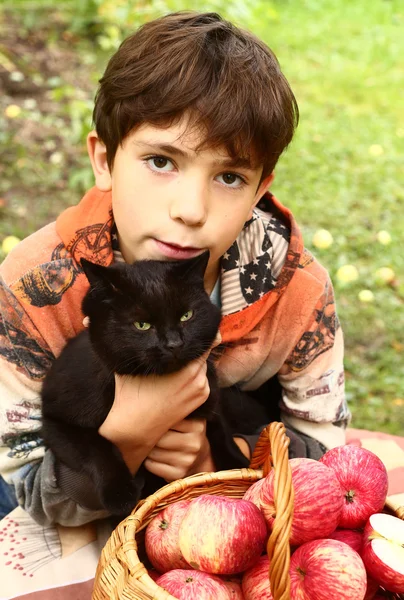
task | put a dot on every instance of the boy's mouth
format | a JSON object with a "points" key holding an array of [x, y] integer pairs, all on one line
{"points": [[176, 251]]}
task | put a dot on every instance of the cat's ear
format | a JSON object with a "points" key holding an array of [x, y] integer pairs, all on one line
{"points": [[100, 277], [193, 266]]}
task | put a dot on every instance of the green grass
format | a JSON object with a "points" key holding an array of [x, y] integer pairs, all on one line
{"points": [[343, 61], [343, 172]]}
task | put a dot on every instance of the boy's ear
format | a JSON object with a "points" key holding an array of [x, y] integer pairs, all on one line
{"points": [[264, 185], [98, 157]]}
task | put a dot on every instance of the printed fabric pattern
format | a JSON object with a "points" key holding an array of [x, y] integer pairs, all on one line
{"points": [[278, 317]]}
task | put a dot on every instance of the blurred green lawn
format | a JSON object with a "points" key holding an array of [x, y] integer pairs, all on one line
{"points": [[343, 172]]}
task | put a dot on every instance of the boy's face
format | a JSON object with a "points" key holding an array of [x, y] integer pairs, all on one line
{"points": [[170, 202]]}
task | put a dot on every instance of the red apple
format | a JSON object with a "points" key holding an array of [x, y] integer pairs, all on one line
{"points": [[234, 588], [255, 583], [153, 574], [363, 478], [253, 493], [350, 536], [354, 538], [161, 538], [222, 535], [327, 570], [371, 589], [383, 551], [193, 585], [318, 500]]}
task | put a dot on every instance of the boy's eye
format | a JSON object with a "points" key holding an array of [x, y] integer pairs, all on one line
{"points": [[186, 316], [232, 178], [142, 325], [159, 163]]}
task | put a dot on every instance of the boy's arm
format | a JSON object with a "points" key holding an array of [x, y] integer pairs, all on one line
{"points": [[24, 461], [312, 378], [46, 489]]}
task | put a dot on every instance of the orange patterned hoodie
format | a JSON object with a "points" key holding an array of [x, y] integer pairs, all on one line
{"points": [[278, 312]]}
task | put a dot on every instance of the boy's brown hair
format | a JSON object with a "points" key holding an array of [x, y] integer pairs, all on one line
{"points": [[227, 81]]}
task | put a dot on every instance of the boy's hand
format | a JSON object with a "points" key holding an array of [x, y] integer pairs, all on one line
{"points": [[146, 407], [182, 451]]}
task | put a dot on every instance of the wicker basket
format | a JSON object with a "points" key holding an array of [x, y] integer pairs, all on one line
{"points": [[122, 576]]}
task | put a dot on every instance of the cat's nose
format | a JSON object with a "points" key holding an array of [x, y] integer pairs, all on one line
{"points": [[174, 342]]}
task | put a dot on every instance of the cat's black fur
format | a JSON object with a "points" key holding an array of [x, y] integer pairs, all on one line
{"points": [[79, 389]]}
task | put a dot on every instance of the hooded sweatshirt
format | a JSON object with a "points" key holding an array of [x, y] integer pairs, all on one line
{"points": [[278, 318]]}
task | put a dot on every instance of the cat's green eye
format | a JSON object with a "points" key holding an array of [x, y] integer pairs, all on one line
{"points": [[186, 316], [142, 325]]}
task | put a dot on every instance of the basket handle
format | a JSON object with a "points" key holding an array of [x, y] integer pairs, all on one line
{"points": [[270, 452]]}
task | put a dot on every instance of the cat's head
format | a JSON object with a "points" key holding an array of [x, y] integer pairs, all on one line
{"points": [[150, 317]]}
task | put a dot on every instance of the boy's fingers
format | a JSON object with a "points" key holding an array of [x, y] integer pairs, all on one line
{"points": [[189, 426], [217, 340]]}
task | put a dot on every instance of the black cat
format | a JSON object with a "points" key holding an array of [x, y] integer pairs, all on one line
{"points": [[152, 317]]}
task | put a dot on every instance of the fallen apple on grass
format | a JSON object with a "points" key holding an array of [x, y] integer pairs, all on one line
{"points": [[383, 551], [318, 501], [363, 479], [193, 585], [327, 570], [222, 535], [255, 583], [161, 538]]}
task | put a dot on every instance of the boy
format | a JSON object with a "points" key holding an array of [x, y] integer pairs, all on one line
{"points": [[191, 117]]}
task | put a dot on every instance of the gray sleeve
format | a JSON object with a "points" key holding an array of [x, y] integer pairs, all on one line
{"points": [[251, 440], [41, 495], [300, 446]]}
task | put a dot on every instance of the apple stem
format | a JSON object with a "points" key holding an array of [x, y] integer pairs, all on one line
{"points": [[350, 496], [301, 571], [163, 524]]}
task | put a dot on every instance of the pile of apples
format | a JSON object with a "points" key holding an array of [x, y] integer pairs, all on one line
{"points": [[343, 546]]}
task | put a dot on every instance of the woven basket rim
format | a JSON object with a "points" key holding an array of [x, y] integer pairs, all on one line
{"points": [[120, 554], [210, 478], [139, 571]]}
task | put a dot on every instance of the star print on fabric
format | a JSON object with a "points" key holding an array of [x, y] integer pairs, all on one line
{"points": [[252, 265], [114, 238], [252, 280], [278, 227], [231, 257]]}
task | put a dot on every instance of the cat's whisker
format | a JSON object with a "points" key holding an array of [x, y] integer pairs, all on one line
{"points": [[235, 360]]}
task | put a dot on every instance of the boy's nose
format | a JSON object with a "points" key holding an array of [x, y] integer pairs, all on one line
{"points": [[190, 206]]}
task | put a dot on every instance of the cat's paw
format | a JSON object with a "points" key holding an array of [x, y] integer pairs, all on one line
{"points": [[119, 497]]}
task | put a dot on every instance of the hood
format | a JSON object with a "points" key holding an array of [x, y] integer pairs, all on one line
{"points": [[85, 229], [252, 281]]}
